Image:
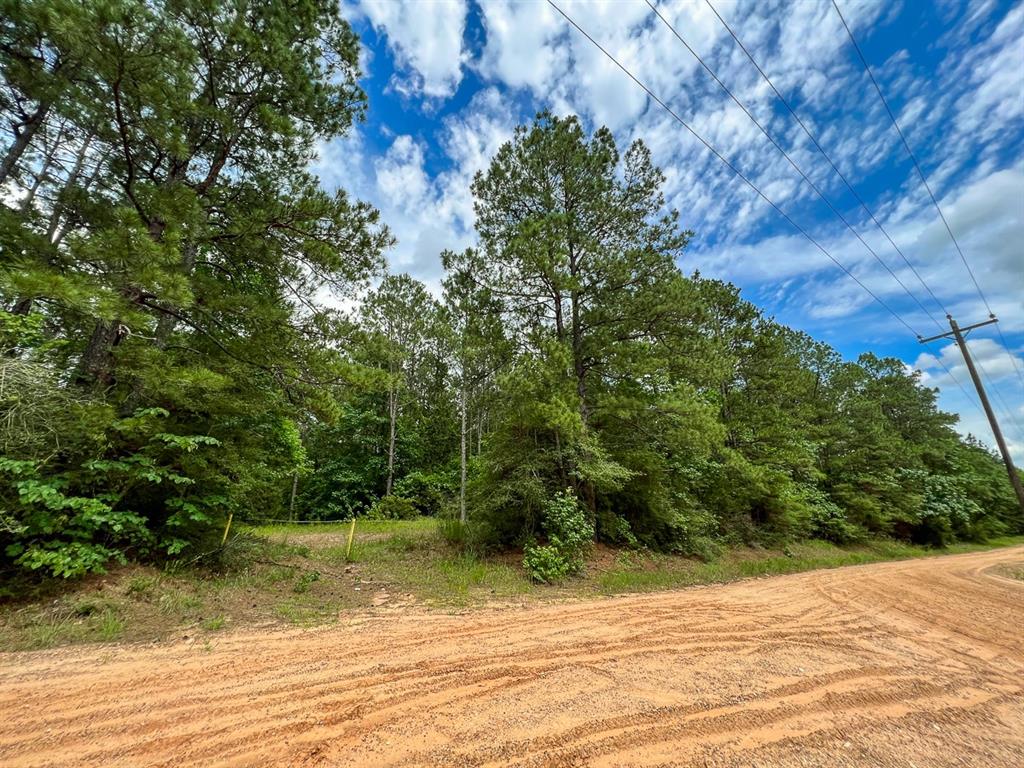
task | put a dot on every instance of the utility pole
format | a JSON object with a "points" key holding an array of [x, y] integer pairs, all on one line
{"points": [[959, 333]]}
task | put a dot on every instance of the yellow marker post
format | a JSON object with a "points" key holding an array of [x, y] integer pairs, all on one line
{"points": [[351, 534]]}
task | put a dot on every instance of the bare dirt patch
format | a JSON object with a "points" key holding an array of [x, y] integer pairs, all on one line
{"points": [[909, 663]]}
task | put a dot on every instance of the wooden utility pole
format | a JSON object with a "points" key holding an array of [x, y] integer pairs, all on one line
{"points": [[959, 333]]}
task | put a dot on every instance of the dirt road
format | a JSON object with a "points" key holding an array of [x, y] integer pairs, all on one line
{"points": [[900, 664]]}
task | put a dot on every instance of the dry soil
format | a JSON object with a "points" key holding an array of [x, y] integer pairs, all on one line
{"points": [[917, 663]]}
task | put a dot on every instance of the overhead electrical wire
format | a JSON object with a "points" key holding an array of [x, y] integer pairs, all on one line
{"points": [[790, 160], [821, 150], [828, 159], [927, 186], [654, 97], [813, 186]]}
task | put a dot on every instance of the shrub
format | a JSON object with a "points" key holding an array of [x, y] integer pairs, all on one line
{"points": [[946, 513], [616, 530], [828, 521], [427, 492], [392, 508], [568, 532], [545, 563]]}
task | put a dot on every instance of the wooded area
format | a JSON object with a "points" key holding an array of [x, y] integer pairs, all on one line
{"points": [[173, 356]]}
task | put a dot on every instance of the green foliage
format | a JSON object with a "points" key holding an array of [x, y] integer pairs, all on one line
{"points": [[393, 508], [428, 492], [452, 530], [164, 362], [828, 522], [545, 563], [160, 240], [72, 516], [568, 534]]}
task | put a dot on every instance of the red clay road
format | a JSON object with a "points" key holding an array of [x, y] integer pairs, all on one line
{"points": [[916, 663]]}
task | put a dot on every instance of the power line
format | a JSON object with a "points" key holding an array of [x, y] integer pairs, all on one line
{"points": [[749, 183], [924, 181], [842, 177], [1007, 411], [828, 159], [732, 167], [792, 162]]}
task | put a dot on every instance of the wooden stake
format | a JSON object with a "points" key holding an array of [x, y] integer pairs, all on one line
{"points": [[227, 528], [351, 534]]}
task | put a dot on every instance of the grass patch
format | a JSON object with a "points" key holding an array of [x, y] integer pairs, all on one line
{"points": [[340, 527], [646, 573], [214, 624]]}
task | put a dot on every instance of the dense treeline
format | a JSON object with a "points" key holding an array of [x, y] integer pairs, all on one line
{"points": [[169, 363]]}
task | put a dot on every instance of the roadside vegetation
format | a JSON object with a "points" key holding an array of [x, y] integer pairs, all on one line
{"points": [[570, 409], [279, 576]]}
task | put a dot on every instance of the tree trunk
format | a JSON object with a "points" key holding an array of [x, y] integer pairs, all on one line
{"points": [[580, 372], [295, 487], [96, 366], [30, 196], [462, 457], [392, 418], [22, 140], [24, 305]]}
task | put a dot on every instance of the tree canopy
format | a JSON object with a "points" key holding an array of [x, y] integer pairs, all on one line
{"points": [[169, 362]]}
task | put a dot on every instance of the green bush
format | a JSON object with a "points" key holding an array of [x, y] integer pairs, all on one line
{"points": [[392, 508], [828, 521], [428, 492], [946, 513], [545, 563], [135, 495], [616, 530], [569, 534]]}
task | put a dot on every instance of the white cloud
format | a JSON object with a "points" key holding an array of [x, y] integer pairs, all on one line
{"points": [[520, 49], [426, 39]]}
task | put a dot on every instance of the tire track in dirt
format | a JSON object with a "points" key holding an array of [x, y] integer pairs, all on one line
{"points": [[829, 661]]}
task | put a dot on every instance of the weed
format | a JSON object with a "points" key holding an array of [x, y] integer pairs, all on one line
{"points": [[86, 608], [452, 530], [304, 581], [214, 624], [141, 587], [110, 626], [177, 602]]}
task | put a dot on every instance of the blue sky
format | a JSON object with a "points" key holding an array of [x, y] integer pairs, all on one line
{"points": [[449, 79]]}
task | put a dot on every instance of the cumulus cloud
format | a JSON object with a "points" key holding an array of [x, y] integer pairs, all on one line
{"points": [[426, 40], [944, 367]]}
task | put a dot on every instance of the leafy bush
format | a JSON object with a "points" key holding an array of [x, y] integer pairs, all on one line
{"points": [[946, 512], [392, 508], [427, 492], [545, 563], [828, 521], [616, 530], [568, 532], [133, 496]]}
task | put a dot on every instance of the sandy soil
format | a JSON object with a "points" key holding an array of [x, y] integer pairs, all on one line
{"points": [[900, 664]]}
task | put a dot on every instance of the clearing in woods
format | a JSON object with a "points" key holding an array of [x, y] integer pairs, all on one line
{"points": [[894, 664]]}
